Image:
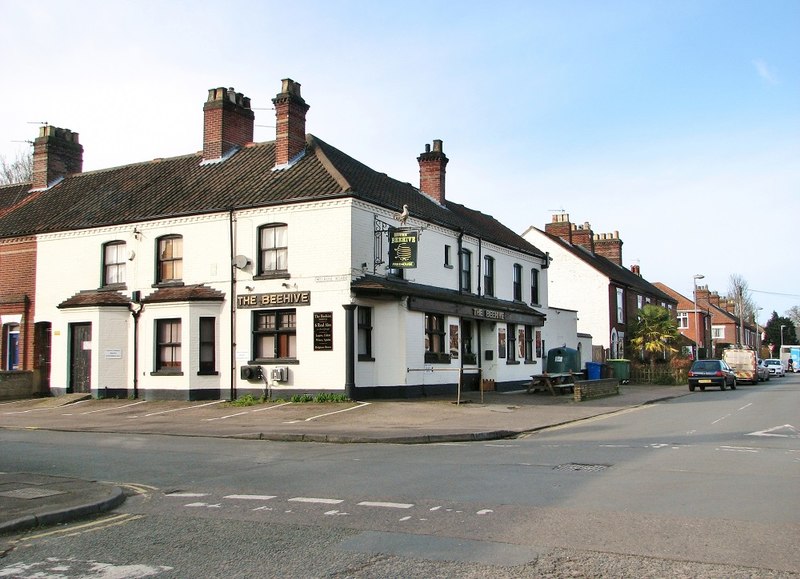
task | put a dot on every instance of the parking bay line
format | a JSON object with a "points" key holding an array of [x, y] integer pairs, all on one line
{"points": [[115, 407], [185, 408], [248, 412], [360, 405]]}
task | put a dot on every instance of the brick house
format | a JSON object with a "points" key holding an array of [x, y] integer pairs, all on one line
{"points": [[587, 275], [286, 266], [694, 321]]}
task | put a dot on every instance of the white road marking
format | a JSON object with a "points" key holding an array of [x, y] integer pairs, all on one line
{"points": [[404, 518], [114, 408], [271, 407], [228, 416], [185, 408], [745, 406], [250, 497], [206, 505], [791, 432], [187, 495], [484, 512], [385, 505], [316, 500], [739, 449], [337, 512], [360, 405], [721, 419], [434, 508]]}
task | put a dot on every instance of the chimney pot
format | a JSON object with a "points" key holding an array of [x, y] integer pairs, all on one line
{"points": [[290, 125], [228, 122], [56, 153]]}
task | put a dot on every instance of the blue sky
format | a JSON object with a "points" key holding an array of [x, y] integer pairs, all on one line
{"points": [[676, 123]]}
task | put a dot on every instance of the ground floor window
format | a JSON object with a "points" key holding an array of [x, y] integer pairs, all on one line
{"points": [[511, 344], [435, 339], [275, 334], [365, 333], [529, 336], [11, 347], [466, 342], [168, 345], [208, 346]]}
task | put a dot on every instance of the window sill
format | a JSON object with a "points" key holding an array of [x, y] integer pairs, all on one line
{"points": [[512, 362], [274, 361], [167, 373], [170, 283], [437, 358], [207, 373], [281, 274], [113, 287], [366, 359]]}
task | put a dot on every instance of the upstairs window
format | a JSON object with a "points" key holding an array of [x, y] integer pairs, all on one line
{"points": [[114, 259], [466, 271], [517, 282], [534, 286], [447, 257], [170, 259], [683, 320], [273, 249], [488, 275], [620, 305]]}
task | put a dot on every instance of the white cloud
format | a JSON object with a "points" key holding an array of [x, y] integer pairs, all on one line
{"points": [[765, 72]]}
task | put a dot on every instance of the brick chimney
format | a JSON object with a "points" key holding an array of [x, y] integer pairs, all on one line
{"points": [[432, 171], [582, 235], [227, 122], [56, 153], [609, 245], [290, 125], [560, 227]]}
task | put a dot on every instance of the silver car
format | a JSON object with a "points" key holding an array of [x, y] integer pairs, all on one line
{"points": [[775, 367]]}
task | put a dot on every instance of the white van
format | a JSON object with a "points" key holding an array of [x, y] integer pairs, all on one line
{"points": [[744, 363]]}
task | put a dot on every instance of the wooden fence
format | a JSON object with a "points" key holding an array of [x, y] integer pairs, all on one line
{"points": [[658, 375]]}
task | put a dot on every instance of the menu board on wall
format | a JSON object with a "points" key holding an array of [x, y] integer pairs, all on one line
{"points": [[323, 330]]}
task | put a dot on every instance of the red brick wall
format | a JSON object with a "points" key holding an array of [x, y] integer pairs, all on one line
{"points": [[18, 291]]}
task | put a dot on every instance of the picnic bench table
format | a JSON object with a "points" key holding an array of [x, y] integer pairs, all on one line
{"points": [[551, 381]]}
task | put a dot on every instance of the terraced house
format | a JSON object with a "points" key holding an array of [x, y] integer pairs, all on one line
{"points": [[285, 265]]}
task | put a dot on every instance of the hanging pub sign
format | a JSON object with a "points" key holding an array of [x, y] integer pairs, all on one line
{"points": [[403, 248]]}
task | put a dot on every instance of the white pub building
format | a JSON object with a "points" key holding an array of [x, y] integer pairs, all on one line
{"points": [[285, 266]]}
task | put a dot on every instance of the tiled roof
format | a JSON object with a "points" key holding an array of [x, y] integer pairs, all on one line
{"points": [[616, 273], [95, 298], [179, 186], [184, 293], [376, 286]]}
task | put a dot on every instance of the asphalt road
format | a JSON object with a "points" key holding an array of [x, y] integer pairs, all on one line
{"points": [[702, 486]]}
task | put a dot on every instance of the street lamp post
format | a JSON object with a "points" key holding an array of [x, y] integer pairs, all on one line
{"points": [[696, 325], [758, 334], [781, 352]]}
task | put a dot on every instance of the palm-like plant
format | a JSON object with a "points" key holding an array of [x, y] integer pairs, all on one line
{"points": [[654, 331]]}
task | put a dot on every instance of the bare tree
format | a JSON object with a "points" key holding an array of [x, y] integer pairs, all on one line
{"points": [[793, 314], [739, 292], [18, 170]]}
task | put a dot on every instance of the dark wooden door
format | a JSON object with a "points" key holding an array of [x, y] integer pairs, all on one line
{"points": [[80, 358]]}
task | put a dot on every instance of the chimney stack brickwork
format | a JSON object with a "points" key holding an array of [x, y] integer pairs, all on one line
{"points": [[432, 164], [56, 153], [582, 235], [609, 245], [290, 125], [560, 227], [228, 122]]}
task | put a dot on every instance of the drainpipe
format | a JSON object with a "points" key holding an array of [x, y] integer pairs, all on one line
{"points": [[349, 352], [136, 312], [232, 304]]}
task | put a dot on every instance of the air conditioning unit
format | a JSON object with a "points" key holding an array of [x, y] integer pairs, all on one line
{"points": [[279, 374], [251, 373]]}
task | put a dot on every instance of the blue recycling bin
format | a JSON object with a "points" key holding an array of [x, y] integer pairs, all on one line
{"points": [[593, 370]]}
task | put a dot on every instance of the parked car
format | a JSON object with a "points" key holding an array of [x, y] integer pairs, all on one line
{"points": [[711, 373], [775, 367], [763, 371]]}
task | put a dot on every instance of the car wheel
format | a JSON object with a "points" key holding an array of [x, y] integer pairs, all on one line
{"points": [[733, 384], [703, 388], [722, 385], [691, 387]]}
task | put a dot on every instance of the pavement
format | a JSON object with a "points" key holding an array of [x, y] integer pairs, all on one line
{"points": [[29, 500]]}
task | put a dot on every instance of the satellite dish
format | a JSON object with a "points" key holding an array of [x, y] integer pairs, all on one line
{"points": [[240, 261]]}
